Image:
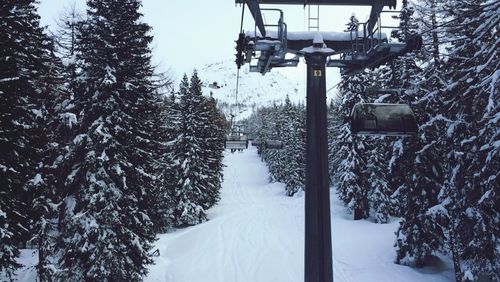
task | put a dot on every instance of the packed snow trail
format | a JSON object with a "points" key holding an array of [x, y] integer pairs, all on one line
{"points": [[256, 234]]}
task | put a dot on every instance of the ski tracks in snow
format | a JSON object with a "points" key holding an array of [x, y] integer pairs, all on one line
{"points": [[254, 234]]}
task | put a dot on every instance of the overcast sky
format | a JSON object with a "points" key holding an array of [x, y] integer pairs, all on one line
{"points": [[189, 34]]}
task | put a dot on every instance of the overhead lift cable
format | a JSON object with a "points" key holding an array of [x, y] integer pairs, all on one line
{"points": [[239, 53], [236, 140]]}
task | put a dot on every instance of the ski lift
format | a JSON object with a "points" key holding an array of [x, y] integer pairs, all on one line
{"points": [[383, 119], [268, 144], [362, 47], [354, 52], [257, 143], [236, 140], [273, 144], [234, 143]]}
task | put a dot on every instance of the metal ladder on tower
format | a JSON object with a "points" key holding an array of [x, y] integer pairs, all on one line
{"points": [[313, 17]]}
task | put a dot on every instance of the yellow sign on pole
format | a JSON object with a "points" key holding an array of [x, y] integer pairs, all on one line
{"points": [[317, 73]]}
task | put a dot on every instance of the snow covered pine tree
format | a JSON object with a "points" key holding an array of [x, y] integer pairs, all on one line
{"points": [[471, 195], [422, 231], [294, 148], [273, 129], [25, 86], [213, 134], [284, 123], [105, 224], [210, 131], [458, 206], [189, 161], [350, 177]]}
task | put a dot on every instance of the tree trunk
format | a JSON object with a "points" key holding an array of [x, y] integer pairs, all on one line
{"points": [[358, 214], [456, 258], [361, 212]]}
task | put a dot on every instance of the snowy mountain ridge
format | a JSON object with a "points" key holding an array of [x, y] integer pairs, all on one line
{"points": [[255, 90]]}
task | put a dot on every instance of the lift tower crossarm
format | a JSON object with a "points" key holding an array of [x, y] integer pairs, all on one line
{"points": [[390, 3], [377, 6]]}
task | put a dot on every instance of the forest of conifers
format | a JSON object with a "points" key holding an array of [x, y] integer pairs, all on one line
{"points": [[97, 153]]}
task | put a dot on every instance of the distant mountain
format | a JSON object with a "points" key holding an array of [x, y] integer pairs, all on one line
{"points": [[256, 90]]}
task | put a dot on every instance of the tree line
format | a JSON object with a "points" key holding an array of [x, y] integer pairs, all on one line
{"points": [[98, 152], [282, 123], [443, 183]]}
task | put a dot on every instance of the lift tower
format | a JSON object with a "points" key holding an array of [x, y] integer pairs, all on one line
{"points": [[357, 50]]}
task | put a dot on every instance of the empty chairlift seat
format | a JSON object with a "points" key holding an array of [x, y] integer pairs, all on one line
{"points": [[257, 143], [273, 144], [268, 144], [236, 142], [383, 119]]}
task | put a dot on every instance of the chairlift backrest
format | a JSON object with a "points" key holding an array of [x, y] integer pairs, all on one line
{"points": [[236, 144], [383, 119], [273, 144], [257, 143]]}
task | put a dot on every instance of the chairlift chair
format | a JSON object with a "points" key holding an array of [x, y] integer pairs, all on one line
{"points": [[257, 143], [236, 140], [268, 144], [383, 119], [234, 143], [273, 144]]}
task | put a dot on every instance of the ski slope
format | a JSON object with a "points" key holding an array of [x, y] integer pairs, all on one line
{"points": [[256, 234]]}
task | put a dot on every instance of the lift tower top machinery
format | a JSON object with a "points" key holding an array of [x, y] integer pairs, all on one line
{"points": [[272, 46]]}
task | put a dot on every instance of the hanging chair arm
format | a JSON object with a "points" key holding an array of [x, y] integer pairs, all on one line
{"points": [[254, 8]]}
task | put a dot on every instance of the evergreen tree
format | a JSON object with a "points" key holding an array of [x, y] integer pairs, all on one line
{"points": [[352, 181], [273, 122], [161, 198], [66, 39], [359, 163], [167, 176], [471, 99], [257, 127], [213, 134], [380, 195], [423, 231], [380, 191], [286, 124], [453, 210], [189, 192], [334, 124], [294, 148], [59, 129], [46, 184], [209, 132], [106, 226], [400, 78], [276, 158], [26, 84]]}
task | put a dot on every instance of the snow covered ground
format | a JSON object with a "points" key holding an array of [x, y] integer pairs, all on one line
{"points": [[255, 234], [27, 273]]}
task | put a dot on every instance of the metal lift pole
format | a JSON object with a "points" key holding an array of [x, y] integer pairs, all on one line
{"points": [[318, 262], [318, 241]]}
